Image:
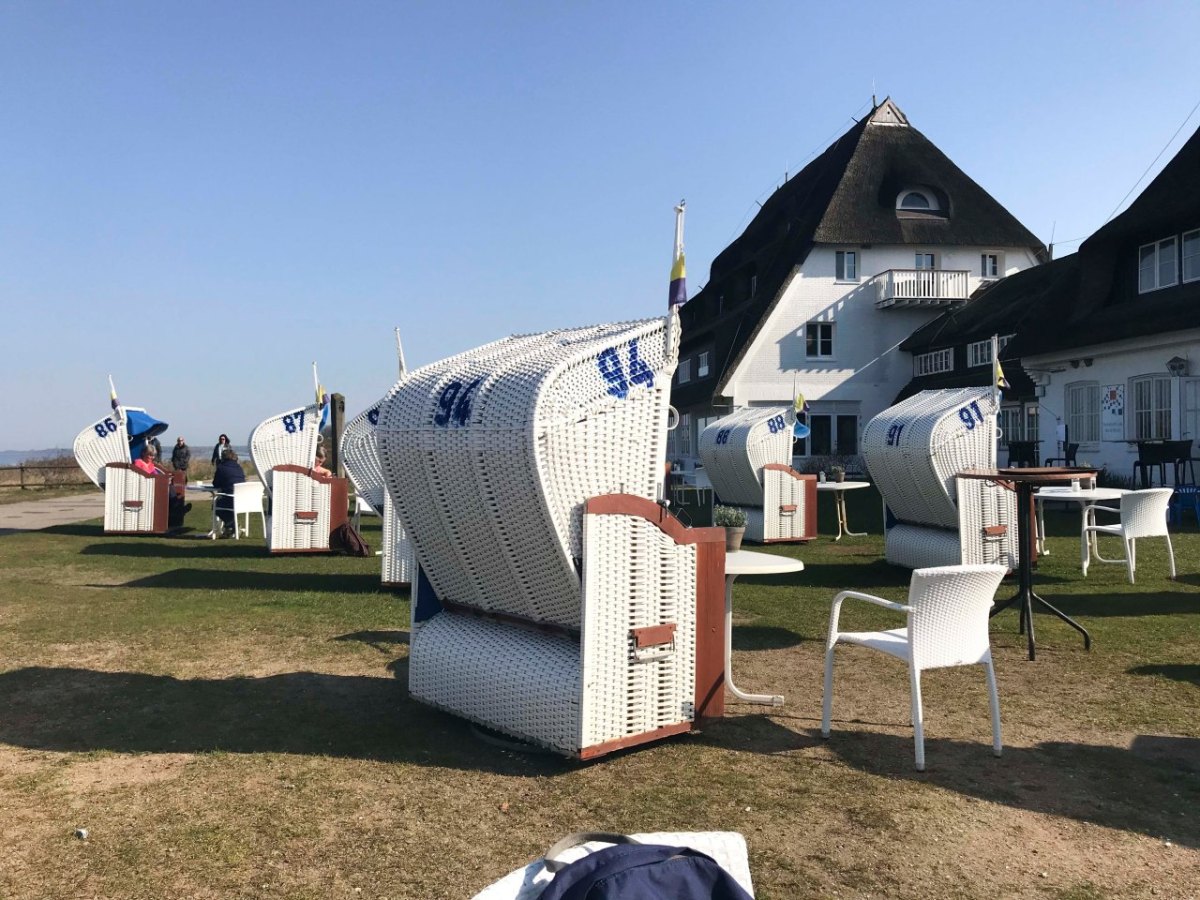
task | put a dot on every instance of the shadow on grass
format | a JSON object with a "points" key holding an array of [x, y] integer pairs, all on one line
{"points": [[1151, 788], [306, 713], [383, 641], [232, 579], [1177, 672], [76, 529], [207, 549], [1150, 603], [764, 637]]}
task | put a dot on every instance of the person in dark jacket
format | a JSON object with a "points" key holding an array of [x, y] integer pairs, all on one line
{"points": [[227, 474], [181, 456], [222, 445]]}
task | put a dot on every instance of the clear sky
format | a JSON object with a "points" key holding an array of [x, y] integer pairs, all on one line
{"points": [[203, 198]]}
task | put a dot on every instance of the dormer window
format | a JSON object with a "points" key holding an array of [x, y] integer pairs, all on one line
{"points": [[920, 200]]}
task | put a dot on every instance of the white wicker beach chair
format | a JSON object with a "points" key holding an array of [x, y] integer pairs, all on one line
{"points": [[747, 457], [134, 502], [305, 507], [1143, 514], [360, 456], [555, 600], [947, 626], [913, 450]]}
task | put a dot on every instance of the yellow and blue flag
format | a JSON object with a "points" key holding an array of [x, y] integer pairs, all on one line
{"points": [[678, 292]]}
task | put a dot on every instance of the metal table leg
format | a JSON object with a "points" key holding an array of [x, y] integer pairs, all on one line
{"points": [[765, 699]]}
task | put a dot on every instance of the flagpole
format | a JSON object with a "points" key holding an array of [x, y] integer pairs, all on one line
{"points": [[400, 354], [677, 294], [116, 404], [996, 370]]}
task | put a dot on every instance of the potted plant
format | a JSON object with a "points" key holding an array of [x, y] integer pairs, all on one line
{"points": [[733, 520], [837, 473]]}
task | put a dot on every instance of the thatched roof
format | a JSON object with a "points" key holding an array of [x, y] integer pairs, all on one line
{"points": [[847, 195], [1105, 305]]}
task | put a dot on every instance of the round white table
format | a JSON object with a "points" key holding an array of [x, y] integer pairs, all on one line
{"points": [[839, 489], [748, 562], [1087, 498]]}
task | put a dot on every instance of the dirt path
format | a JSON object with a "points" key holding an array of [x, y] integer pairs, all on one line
{"points": [[33, 515]]}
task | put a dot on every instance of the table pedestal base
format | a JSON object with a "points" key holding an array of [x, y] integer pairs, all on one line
{"points": [[764, 699], [1026, 598]]}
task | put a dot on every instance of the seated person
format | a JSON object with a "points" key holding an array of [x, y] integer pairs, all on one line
{"points": [[145, 462], [225, 476], [319, 466]]}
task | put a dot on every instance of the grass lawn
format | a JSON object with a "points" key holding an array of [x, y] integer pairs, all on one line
{"points": [[229, 724]]}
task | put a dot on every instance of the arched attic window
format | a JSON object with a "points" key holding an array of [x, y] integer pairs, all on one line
{"points": [[917, 199]]}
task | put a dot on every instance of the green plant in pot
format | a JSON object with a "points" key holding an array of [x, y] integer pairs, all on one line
{"points": [[733, 520], [837, 473]]}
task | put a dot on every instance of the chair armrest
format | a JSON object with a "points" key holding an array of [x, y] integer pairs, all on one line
{"points": [[836, 611], [1107, 509]]}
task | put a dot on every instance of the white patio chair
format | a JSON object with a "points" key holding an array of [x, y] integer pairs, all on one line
{"points": [[248, 499], [362, 507], [947, 614], [1143, 514]]}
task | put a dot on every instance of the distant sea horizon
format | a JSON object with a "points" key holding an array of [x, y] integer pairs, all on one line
{"points": [[16, 457]]}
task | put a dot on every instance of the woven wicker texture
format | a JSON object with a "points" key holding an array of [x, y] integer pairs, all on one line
{"points": [[914, 449], [982, 504], [128, 500], [947, 625], [914, 546], [1143, 514], [288, 439], [104, 441], [399, 564], [296, 492], [360, 456], [635, 576], [488, 457], [735, 448], [520, 682]]}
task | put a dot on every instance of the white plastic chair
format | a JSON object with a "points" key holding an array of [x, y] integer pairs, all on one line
{"points": [[362, 507], [1143, 514], [947, 626], [247, 501]]}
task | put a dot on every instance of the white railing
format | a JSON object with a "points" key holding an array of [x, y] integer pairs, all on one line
{"points": [[921, 287]]}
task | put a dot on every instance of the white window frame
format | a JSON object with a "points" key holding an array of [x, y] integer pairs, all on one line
{"points": [[1184, 258], [979, 353], [702, 364], [920, 257], [684, 372], [842, 272], [1155, 268], [930, 200], [934, 362], [1081, 406], [683, 435], [994, 262], [832, 337], [1152, 423]]}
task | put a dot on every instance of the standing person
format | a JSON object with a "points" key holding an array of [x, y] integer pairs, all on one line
{"points": [[153, 442], [228, 473], [181, 456], [222, 446]]}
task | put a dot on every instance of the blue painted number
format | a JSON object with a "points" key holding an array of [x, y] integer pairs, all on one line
{"points": [[893, 434], [722, 436], [969, 414], [454, 404], [776, 424], [609, 364], [373, 417], [105, 428], [294, 422]]}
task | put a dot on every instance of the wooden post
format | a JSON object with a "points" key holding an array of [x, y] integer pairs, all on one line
{"points": [[337, 419], [22, 467]]}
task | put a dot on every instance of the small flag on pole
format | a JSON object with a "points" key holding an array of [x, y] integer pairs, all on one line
{"points": [[1001, 381], [678, 293], [112, 393], [322, 399]]}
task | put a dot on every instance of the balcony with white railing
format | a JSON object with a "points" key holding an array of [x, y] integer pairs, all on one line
{"points": [[901, 288]]}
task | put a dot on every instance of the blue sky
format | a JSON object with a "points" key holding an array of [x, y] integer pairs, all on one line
{"points": [[204, 198]]}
